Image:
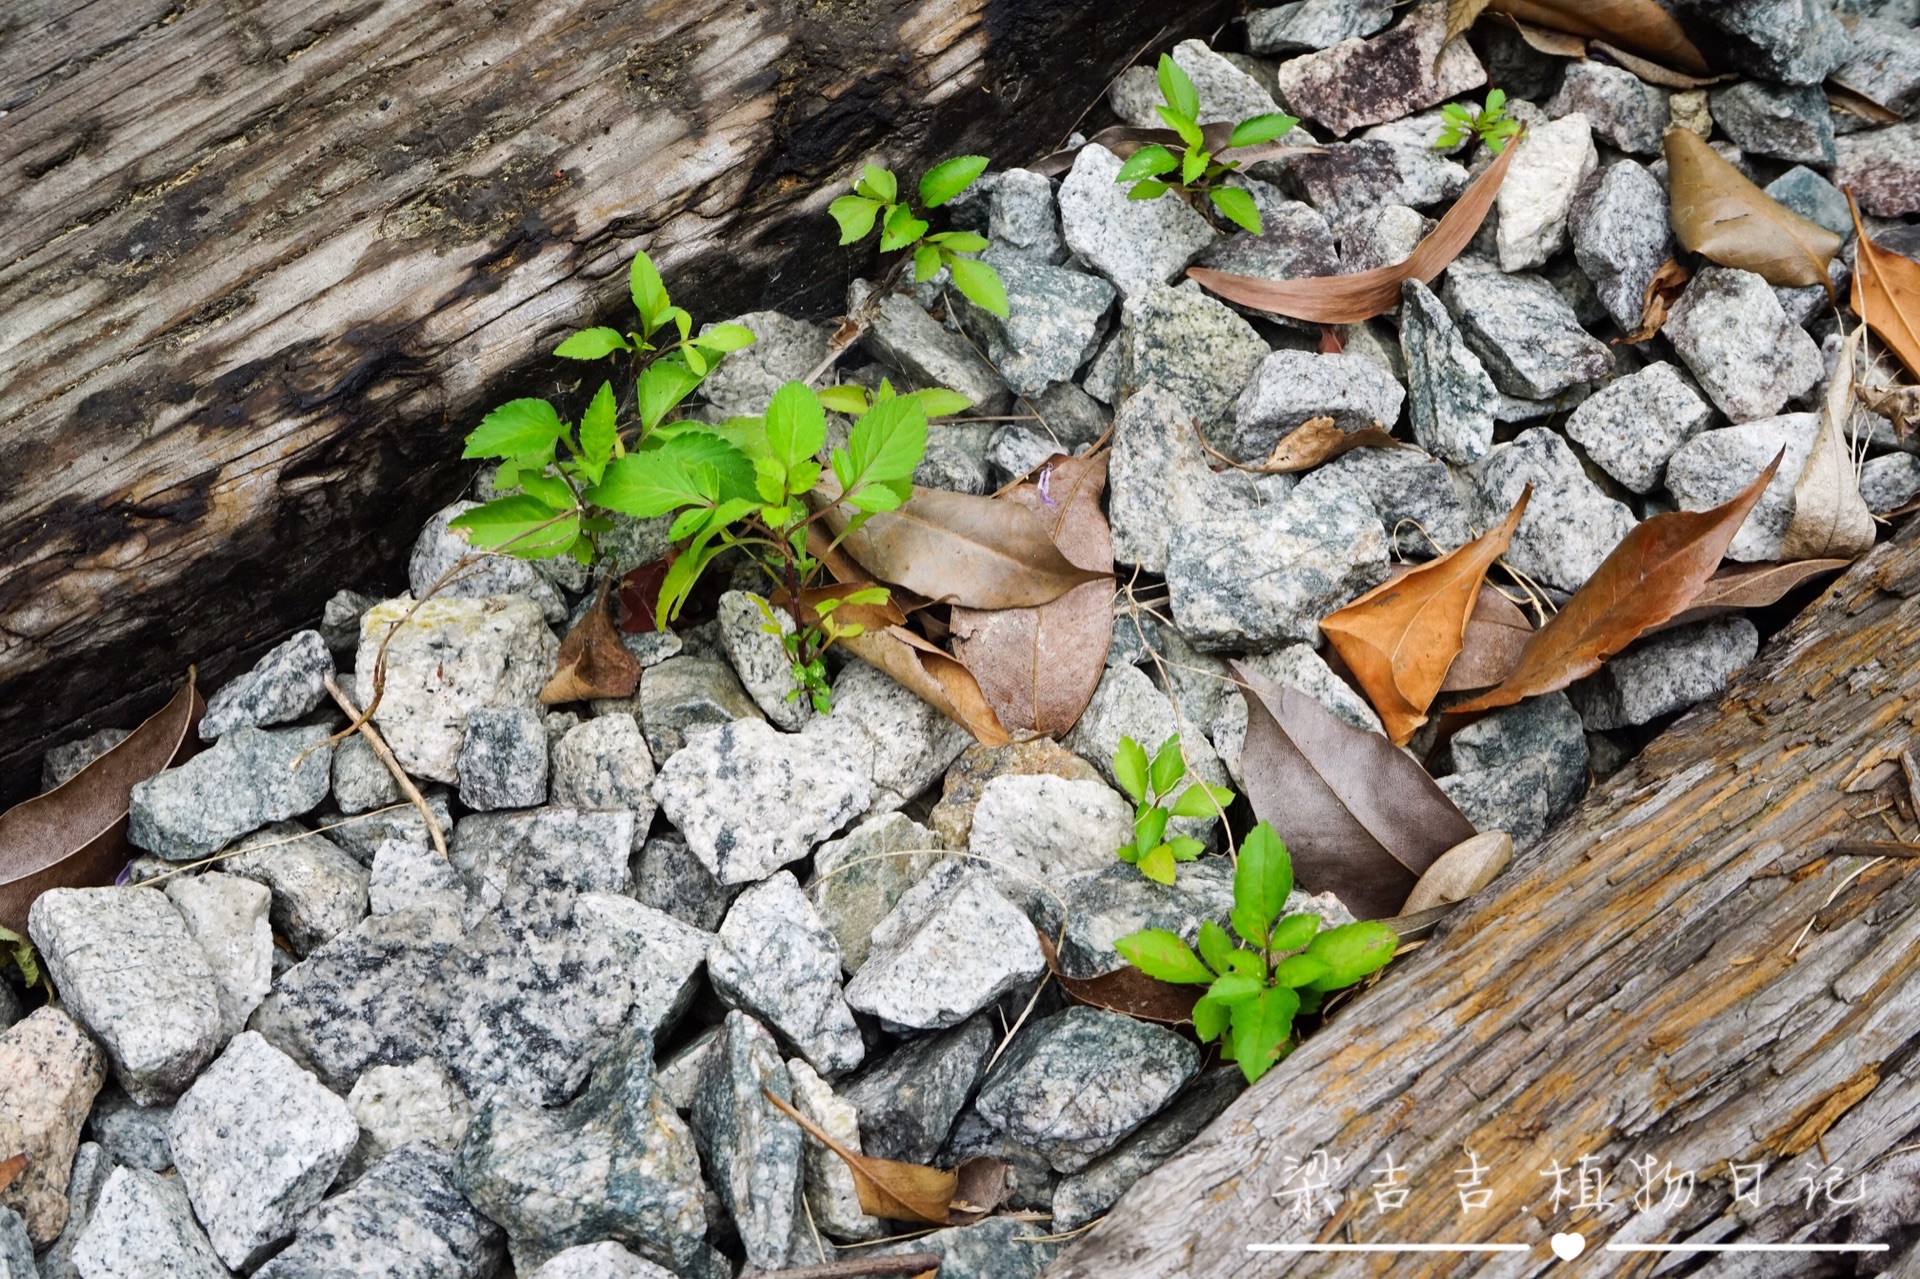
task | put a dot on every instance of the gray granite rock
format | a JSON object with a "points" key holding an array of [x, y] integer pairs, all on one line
{"points": [[1134, 243], [1881, 168], [1190, 345], [1813, 198], [1666, 672], [1362, 82], [362, 834], [1052, 323], [398, 1106], [1384, 235], [452, 656], [1544, 729], [832, 1198], [774, 958], [1030, 1178], [252, 776], [1511, 798], [1715, 465], [1570, 525], [130, 1135], [679, 1075], [783, 349], [1794, 41], [91, 1168], [1072, 1085], [1537, 194], [360, 781], [257, 1141], [901, 743], [1620, 237], [1299, 667], [685, 694], [405, 1217], [1632, 425], [750, 1149], [1884, 64], [52, 1072], [1524, 332], [617, 1164], [1258, 579], [1450, 395], [1094, 1189], [760, 660], [604, 1260], [319, 890], [16, 1250], [405, 875], [604, 764], [1159, 479], [1035, 829], [1788, 122], [749, 799], [909, 341], [1890, 482], [1291, 387], [1315, 24], [669, 877], [908, 1100], [1021, 217], [503, 759], [63, 762], [227, 915], [439, 549], [143, 1227], [1345, 179], [340, 621], [1624, 111], [1195, 681], [1414, 495], [951, 946], [859, 878], [997, 1248], [660, 956], [956, 460], [282, 686], [128, 970]]}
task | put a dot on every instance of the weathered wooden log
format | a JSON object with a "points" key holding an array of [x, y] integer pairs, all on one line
{"points": [[264, 264], [1693, 969]]}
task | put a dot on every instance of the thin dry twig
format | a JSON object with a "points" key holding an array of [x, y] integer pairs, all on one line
{"points": [[181, 868], [905, 1263], [385, 754]]}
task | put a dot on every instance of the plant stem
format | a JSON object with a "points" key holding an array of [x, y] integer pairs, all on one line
{"points": [[906, 1263], [385, 755]]}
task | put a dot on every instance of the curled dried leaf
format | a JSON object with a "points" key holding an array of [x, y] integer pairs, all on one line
{"points": [[934, 676], [1496, 633], [1830, 518], [1642, 26], [1662, 291], [1886, 294], [592, 661], [1717, 213], [1313, 442], [901, 1191], [1736, 586], [1127, 991], [1461, 871]]}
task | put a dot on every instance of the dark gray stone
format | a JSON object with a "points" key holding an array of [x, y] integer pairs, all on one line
{"points": [[1052, 323], [1620, 237], [1788, 122], [909, 1099], [1357, 83], [340, 621], [1293, 243], [997, 1248], [503, 761], [91, 1168], [363, 834], [1097, 1187], [1546, 729], [360, 781], [1881, 168], [404, 1219], [1793, 41], [250, 777], [1021, 218], [1512, 798], [1191, 345], [748, 1147], [1890, 482], [1450, 396], [1884, 64], [1666, 672], [908, 340], [775, 958], [130, 1135], [1524, 332], [282, 686], [1813, 198], [1414, 495], [684, 694], [1030, 1178], [668, 877], [63, 762], [1383, 235], [1624, 110], [1346, 178], [1570, 526]]}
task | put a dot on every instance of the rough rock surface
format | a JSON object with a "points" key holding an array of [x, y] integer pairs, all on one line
{"points": [[1450, 396], [1624, 111], [1315, 24], [604, 764], [1291, 387], [404, 1217], [1715, 465], [1880, 169], [749, 1149], [901, 743], [858, 879], [440, 548], [681, 696], [952, 945], [1666, 672], [826, 1181], [913, 343], [1538, 192], [759, 659], [318, 890], [250, 777], [1361, 82], [1051, 325], [908, 1100], [1524, 332], [396, 1106], [1134, 243], [604, 1260], [1094, 1189], [52, 1073], [282, 686], [1570, 525], [1191, 345], [1632, 425], [1038, 828], [783, 349], [1748, 357], [227, 915], [774, 958], [503, 759], [1620, 237], [143, 1226]]}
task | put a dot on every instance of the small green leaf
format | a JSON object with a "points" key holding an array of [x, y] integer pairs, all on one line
{"points": [[949, 178], [961, 241], [900, 229], [855, 215], [1147, 189], [850, 398], [879, 183], [1177, 89], [1150, 826], [550, 489], [519, 524], [591, 344], [1233, 987], [1183, 124], [1262, 1027], [978, 283], [518, 428], [695, 468], [599, 433], [1130, 769], [1249, 963], [1163, 956], [1215, 946], [1193, 165], [937, 401], [1264, 877], [1185, 848], [725, 337], [796, 429], [1147, 162], [1168, 766], [1157, 864], [1351, 951], [1202, 800], [1210, 1019], [24, 957], [695, 359], [663, 384], [1496, 101], [1293, 932], [1128, 853], [883, 449], [1261, 128], [926, 262], [1247, 922], [1238, 206], [649, 294], [1300, 970]]}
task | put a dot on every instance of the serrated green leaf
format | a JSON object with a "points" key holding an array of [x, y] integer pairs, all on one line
{"points": [[1247, 922], [1130, 769], [1261, 128], [688, 522], [1202, 800], [1249, 963], [926, 262], [649, 294], [1186, 848], [1168, 766], [663, 384], [519, 524], [878, 183], [1216, 948], [1293, 932], [518, 428], [1192, 165], [796, 429], [960, 241], [1299, 970], [1150, 826], [1147, 189], [695, 468], [1238, 206], [725, 337], [1163, 956], [599, 432], [900, 229], [1232, 987], [1176, 88], [979, 283], [591, 344], [1157, 864], [850, 399], [937, 401], [855, 214], [550, 489], [1182, 123], [883, 448], [1147, 162], [949, 178], [1264, 876], [1352, 951], [1262, 1027], [770, 481]]}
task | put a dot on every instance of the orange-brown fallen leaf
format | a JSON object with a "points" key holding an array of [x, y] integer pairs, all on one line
{"points": [[934, 676], [1496, 632], [901, 1191], [1639, 26], [1313, 442], [1401, 637], [1663, 290], [1127, 991], [1886, 294], [10, 1170], [75, 835], [1348, 299], [592, 661], [1736, 586], [1653, 574], [1717, 213]]}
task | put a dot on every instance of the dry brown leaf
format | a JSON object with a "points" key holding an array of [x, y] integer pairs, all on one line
{"points": [[1723, 217], [1662, 291], [592, 661], [960, 548], [1854, 102], [1461, 871], [1461, 14], [1359, 817], [1640, 26], [10, 1170], [1886, 294], [1496, 633], [1400, 638], [75, 835], [1830, 518], [1127, 991], [1653, 72], [1349, 299], [1555, 44], [1038, 667], [901, 1191], [934, 677], [1736, 586], [1315, 441], [1654, 573], [1900, 405]]}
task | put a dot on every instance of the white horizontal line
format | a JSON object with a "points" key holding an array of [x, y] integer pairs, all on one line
{"points": [[1748, 1247], [1389, 1247]]}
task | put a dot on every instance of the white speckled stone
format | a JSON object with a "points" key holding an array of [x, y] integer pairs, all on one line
{"points": [[775, 958], [227, 915], [1715, 465], [143, 1228]]}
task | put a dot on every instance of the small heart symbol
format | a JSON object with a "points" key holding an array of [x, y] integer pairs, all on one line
{"points": [[1568, 1246]]}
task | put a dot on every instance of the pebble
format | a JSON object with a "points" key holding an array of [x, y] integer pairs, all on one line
{"points": [[1037, 828], [64, 762], [1791, 41], [397, 1106], [748, 799], [1884, 64], [1748, 356], [1569, 527], [340, 621], [774, 958], [669, 877], [1512, 799], [908, 1100], [128, 970], [783, 350], [318, 890], [1620, 237], [951, 946], [1537, 194], [1450, 396], [1073, 1084], [91, 1167], [1382, 236], [1292, 387], [1666, 672], [749, 1149], [503, 760], [250, 777], [760, 660], [952, 818], [53, 1071], [257, 1141], [901, 743], [682, 695], [858, 879], [1361, 82], [1524, 332], [363, 834], [1346, 179], [453, 655], [360, 781], [131, 1135], [1315, 24], [142, 1226], [912, 343], [1785, 121], [660, 956], [1890, 482], [1294, 241], [1546, 730], [227, 915], [1881, 168], [1633, 424], [1052, 323], [404, 1217], [439, 549], [1190, 345], [956, 460], [1227, 94], [1097, 1187], [604, 763], [1021, 217], [1414, 495], [1715, 465], [1624, 111], [1134, 243], [282, 686]]}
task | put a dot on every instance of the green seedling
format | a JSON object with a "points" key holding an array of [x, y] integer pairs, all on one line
{"points": [[876, 202], [1489, 123], [1152, 169], [1150, 786]]}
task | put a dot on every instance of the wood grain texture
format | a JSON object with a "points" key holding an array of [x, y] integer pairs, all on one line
{"points": [[1679, 971], [263, 263]]}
